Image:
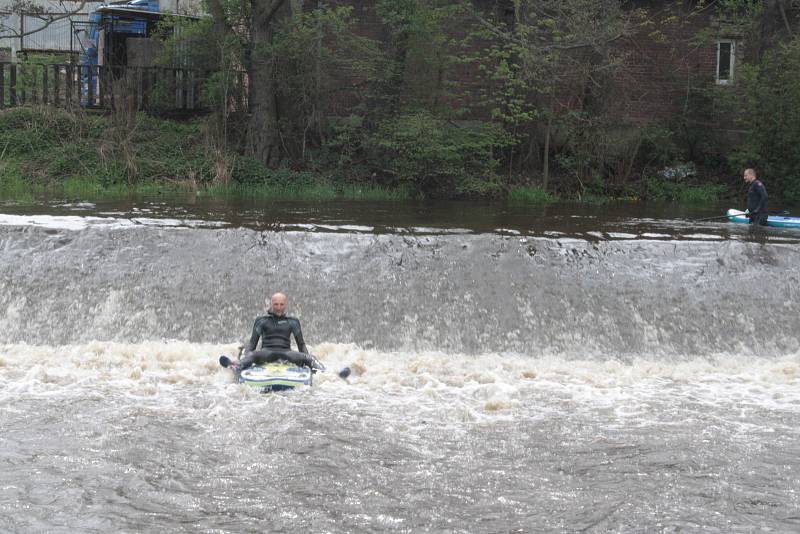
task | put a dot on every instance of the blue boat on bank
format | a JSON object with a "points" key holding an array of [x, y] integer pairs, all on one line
{"points": [[779, 221]]}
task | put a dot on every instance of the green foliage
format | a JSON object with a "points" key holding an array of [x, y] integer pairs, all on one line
{"points": [[420, 52], [13, 184], [438, 155], [308, 56], [343, 146], [371, 192], [766, 105], [27, 129], [530, 195], [30, 70], [248, 170], [741, 11], [674, 191], [549, 72], [319, 190], [52, 146]]}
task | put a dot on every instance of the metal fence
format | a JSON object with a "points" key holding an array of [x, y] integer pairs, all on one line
{"points": [[55, 37]]}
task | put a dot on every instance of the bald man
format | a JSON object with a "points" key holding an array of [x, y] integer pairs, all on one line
{"points": [[275, 330]]}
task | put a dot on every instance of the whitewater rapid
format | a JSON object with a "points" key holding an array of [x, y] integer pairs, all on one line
{"points": [[625, 380]]}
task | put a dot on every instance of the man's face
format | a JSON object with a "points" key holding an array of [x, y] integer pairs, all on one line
{"points": [[278, 304], [749, 177]]}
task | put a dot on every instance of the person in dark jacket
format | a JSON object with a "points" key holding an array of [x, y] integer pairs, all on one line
{"points": [[275, 331], [756, 198]]}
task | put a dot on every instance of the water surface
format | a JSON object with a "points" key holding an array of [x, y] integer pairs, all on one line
{"points": [[515, 369]]}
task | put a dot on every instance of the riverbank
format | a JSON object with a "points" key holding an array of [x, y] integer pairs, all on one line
{"points": [[47, 151]]}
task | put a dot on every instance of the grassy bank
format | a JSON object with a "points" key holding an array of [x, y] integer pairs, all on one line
{"points": [[51, 152], [46, 151]]}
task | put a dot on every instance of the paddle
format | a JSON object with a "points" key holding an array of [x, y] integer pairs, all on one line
{"points": [[782, 212], [226, 362], [712, 218]]}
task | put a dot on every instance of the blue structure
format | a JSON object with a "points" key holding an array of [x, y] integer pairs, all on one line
{"points": [[105, 40]]}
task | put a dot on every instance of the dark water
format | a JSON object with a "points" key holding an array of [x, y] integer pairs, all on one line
{"points": [[394, 217], [614, 368]]}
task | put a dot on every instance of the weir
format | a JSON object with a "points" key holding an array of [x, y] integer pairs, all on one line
{"points": [[627, 374], [455, 293]]}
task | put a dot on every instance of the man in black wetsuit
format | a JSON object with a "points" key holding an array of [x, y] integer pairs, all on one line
{"points": [[275, 330], [756, 199]]}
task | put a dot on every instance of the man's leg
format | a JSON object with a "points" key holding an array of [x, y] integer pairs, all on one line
{"points": [[258, 357], [303, 360], [268, 356]]}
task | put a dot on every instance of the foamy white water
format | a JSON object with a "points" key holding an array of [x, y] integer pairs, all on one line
{"points": [[79, 222], [153, 436]]}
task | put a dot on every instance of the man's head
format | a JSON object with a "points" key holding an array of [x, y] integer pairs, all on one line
{"points": [[749, 175], [277, 303]]}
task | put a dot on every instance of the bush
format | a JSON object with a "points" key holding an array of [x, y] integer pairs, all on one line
{"points": [[250, 171], [437, 155]]}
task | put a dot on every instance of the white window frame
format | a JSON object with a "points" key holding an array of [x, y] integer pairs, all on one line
{"points": [[732, 60]]}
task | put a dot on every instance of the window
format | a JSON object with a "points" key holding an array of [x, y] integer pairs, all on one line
{"points": [[726, 59]]}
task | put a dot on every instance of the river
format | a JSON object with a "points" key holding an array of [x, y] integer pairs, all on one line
{"points": [[616, 368]]}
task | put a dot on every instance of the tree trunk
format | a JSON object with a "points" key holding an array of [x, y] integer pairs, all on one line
{"points": [[546, 154], [782, 9], [547, 134], [263, 135]]}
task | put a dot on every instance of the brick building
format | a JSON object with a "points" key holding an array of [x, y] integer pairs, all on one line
{"points": [[680, 46]]}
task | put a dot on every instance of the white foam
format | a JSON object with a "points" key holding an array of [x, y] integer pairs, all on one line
{"points": [[77, 222], [420, 385], [656, 235], [703, 237]]}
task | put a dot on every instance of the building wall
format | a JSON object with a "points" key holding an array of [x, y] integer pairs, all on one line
{"points": [[664, 62], [661, 62]]}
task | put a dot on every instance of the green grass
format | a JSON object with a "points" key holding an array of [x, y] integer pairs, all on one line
{"points": [[46, 151], [13, 185], [702, 194], [288, 191], [318, 190], [663, 190], [595, 199], [530, 195], [377, 193]]}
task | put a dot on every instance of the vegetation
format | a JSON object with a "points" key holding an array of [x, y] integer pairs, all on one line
{"points": [[334, 114], [530, 195], [766, 106], [78, 155]]}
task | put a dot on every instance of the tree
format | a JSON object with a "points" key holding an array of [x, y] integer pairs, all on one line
{"points": [[263, 136], [291, 56], [765, 104], [33, 9], [549, 60]]}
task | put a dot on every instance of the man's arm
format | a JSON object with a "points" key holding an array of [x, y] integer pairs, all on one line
{"points": [[762, 198], [298, 337], [254, 336]]}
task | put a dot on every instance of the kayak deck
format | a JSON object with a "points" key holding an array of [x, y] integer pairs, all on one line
{"points": [[778, 221], [276, 376]]}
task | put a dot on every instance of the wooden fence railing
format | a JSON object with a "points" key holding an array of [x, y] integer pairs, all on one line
{"points": [[69, 85]]}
